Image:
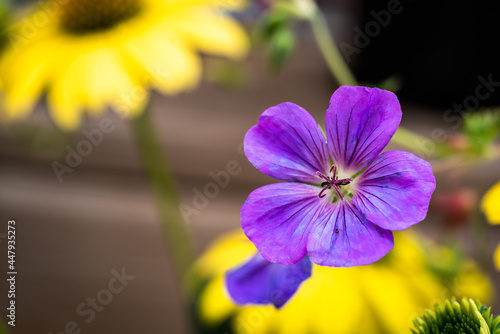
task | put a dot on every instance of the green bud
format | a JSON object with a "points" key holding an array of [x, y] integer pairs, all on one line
{"points": [[467, 317]]}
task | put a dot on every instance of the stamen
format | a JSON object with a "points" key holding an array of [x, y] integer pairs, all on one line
{"points": [[338, 192], [344, 182], [334, 168], [323, 176], [321, 193]]}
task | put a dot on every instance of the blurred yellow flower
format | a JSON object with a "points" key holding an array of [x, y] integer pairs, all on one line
{"points": [[496, 257], [491, 204], [91, 54], [491, 208], [380, 298]]}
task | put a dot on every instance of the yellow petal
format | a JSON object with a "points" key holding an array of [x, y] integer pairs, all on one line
{"points": [[228, 5], [227, 251], [389, 298], [107, 83], [211, 33], [312, 309], [95, 79], [255, 320], [471, 282], [26, 63], [496, 258], [163, 62], [215, 306], [65, 101], [341, 316], [25, 76], [491, 204]]}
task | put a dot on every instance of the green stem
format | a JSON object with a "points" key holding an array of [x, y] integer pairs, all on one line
{"points": [[164, 188], [330, 51], [409, 139]]}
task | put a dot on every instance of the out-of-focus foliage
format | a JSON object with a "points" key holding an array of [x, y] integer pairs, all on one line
{"points": [[385, 295], [481, 129], [276, 29], [4, 15], [4, 8], [225, 73], [275, 32], [466, 317], [477, 137]]}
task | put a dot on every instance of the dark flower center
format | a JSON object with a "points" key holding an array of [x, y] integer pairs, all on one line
{"points": [[332, 182], [89, 16]]}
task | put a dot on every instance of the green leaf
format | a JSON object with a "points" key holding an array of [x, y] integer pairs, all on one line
{"points": [[481, 128]]}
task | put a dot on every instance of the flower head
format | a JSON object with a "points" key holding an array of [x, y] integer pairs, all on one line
{"points": [[339, 211], [88, 55], [466, 317]]}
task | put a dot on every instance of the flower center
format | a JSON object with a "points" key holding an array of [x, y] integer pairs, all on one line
{"points": [[333, 182], [88, 16]]}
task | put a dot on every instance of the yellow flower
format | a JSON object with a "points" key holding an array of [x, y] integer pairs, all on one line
{"points": [[91, 54], [491, 208], [380, 298], [491, 204], [496, 257]]}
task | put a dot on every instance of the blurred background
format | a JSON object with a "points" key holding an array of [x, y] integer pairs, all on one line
{"points": [[74, 236]]}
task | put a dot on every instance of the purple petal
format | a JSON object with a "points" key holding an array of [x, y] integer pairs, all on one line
{"points": [[259, 281], [359, 123], [342, 237], [395, 190], [277, 219], [287, 144]]}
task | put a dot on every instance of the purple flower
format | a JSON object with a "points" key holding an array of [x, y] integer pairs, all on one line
{"points": [[259, 281], [343, 197]]}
